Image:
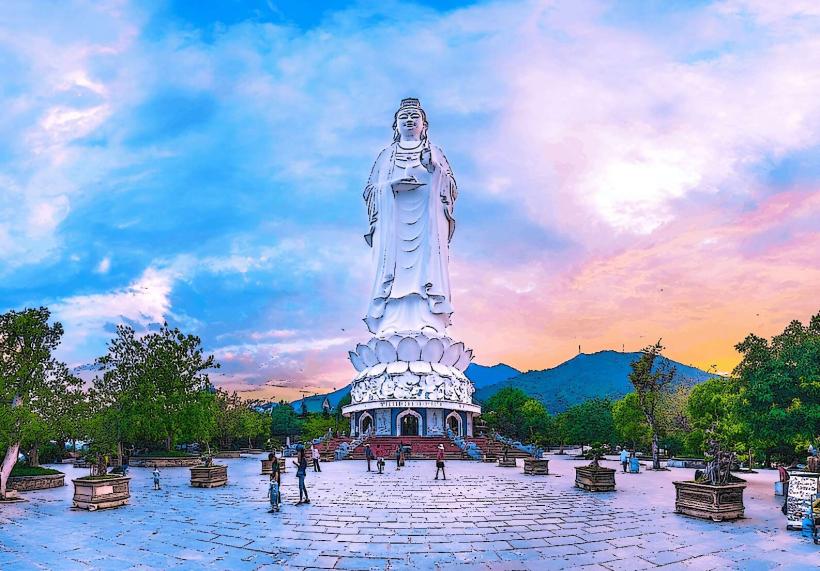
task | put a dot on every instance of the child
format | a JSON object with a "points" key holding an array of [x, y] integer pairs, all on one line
{"points": [[440, 461], [380, 464], [274, 495], [155, 474]]}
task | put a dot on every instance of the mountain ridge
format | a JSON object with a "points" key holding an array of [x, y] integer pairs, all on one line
{"points": [[602, 374]]}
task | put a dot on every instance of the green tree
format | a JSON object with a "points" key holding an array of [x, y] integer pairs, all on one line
{"points": [[283, 421], [652, 377], [176, 367], [502, 412], [316, 425], [198, 418], [589, 422], [149, 383], [713, 405], [29, 374], [630, 422], [537, 423], [780, 389], [337, 412]]}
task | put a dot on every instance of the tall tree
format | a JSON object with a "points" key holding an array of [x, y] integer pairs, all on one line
{"points": [[780, 388], [283, 421], [652, 377], [589, 422], [28, 374], [502, 412], [177, 366], [630, 422]]}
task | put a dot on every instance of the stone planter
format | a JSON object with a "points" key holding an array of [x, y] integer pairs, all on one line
{"points": [[489, 458], [164, 462], [535, 467], [251, 450], [595, 479], [31, 483], [508, 463], [706, 501], [209, 476], [101, 493], [267, 466], [227, 454]]}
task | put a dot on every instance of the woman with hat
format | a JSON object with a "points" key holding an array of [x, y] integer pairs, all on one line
{"points": [[440, 461]]}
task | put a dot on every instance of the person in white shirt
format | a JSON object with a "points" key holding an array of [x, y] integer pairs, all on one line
{"points": [[314, 453]]}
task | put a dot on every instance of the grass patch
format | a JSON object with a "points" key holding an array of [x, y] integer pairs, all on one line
{"points": [[23, 470]]}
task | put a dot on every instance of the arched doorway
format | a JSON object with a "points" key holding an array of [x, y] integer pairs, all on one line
{"points": [[365, 423], [454, 423], [408, 423]]}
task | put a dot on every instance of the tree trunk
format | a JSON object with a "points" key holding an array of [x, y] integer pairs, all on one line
{"points": [[168, 440], [119, 452], [34, 455], [61, 446], [656, 459], [8, 463], [11, 453]]}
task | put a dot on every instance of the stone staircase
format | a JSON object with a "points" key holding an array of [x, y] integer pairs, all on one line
{"points": [[421, 447], [327, 449], [491, 447]]}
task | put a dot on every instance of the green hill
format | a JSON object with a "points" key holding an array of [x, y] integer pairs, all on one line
{"points": [[585, 376]]}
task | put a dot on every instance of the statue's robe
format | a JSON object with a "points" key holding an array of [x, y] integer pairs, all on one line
{"points": [[410, 232]]}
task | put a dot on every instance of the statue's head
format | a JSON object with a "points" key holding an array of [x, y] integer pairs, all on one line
{"points": [[410, 121]]}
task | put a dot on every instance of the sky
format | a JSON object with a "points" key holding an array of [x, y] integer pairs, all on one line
{"points": [[627, 171]]}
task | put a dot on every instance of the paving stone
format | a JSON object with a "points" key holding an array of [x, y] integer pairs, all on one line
{"points": [[480, 518]]}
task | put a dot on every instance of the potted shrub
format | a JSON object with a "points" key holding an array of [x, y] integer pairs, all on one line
{"points": [[101, 490], [505, 461], [209, 475], [594, 477], [714, 494]]}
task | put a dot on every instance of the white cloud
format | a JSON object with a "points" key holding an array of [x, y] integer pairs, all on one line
{"points": [[144, 301], [104, 266]]}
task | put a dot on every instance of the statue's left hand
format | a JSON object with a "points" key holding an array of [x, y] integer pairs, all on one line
{"points": [[426, 159]]}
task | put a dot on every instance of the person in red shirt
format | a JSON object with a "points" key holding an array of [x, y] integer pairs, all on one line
{"points": [[440, 461]]}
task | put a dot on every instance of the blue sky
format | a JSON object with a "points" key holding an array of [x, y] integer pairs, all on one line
{"points": [[202, 163]]}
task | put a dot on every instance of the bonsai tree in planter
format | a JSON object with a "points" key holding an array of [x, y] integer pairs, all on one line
{"points": [[101, 490], [652, 377], [209, 475], [594, 477], [714, 494]]}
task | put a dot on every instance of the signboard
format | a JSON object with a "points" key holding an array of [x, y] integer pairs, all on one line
{"points": [[802, 486]]}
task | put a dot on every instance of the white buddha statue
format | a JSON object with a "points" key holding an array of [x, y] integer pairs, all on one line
{"points": [[410, 197]]}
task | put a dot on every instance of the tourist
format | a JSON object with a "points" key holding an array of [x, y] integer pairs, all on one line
{"points": [[624, 459], [440, 461], [368, 455], [314, 454], [398, 456], [155, 474], [380, 464], [274, 494], [634, 464], [275, 468], [301, 472]]}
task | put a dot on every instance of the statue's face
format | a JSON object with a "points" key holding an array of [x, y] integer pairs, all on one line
{"points": [[410, 123]]}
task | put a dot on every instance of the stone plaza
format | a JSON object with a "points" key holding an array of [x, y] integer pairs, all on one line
{"points": [[481, 517]]}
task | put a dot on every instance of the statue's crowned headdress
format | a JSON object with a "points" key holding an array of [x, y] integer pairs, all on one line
{"points": [[410, 102]]}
